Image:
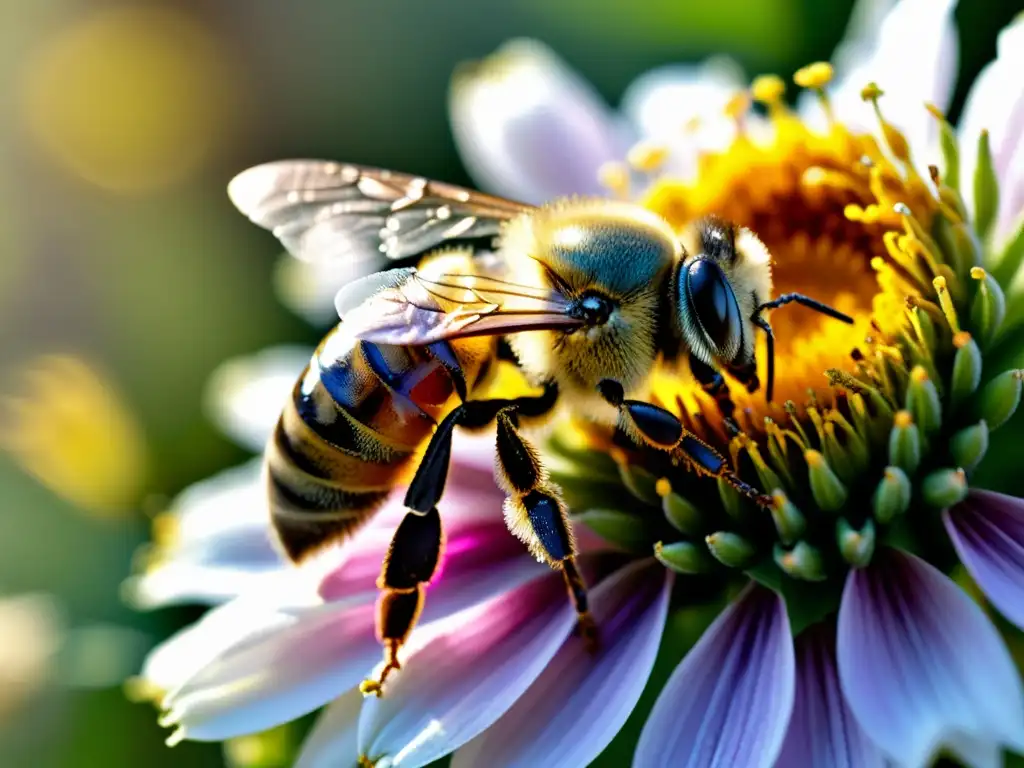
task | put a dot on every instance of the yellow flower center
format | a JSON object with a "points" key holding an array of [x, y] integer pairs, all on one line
{"points": [[823, 203]]}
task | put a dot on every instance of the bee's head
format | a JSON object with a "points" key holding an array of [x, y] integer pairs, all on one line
{"points": [[610, 260], [716, 289]]}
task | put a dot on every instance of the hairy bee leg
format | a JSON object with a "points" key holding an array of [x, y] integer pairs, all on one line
{"points": [[536, 514], [410, 563], [661, 429], [713, 382]]}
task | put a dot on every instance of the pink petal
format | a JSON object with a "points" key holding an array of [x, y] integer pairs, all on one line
{"points": [[920, 664], [823, 730], [530, 128], [987, 530], [458, 682], [729, 701], [580, 701]]}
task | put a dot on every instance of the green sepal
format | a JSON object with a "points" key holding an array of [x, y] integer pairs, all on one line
{"points": [[856, 547], [682, 515], [1008, 261], [986, 189], [892, 496], [924, 403], [968, 446], [966, 374], [828, 490], [640, 483], [999, 399], [802, 562], [943, 488], [950, 148], [988, 309], [789, 522], [730, 549], [905, 447], [735, 505], [684, 557], [619, 528]]}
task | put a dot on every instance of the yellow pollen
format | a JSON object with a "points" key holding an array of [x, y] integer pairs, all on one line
{"points": [[617, 455], [961, 339], [903, 419], [978, 273], [871, 92], [813, 458], [789, 560], [647, 156], [768, 89], [738, 105], [961, 478], [614, 176], [919, 374], [165, 529], [778, 499], [890, 476], [816, 75], [663, 487]]}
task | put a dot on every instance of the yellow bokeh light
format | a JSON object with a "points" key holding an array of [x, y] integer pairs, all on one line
{"points": [[71, 430], [129, 99]]}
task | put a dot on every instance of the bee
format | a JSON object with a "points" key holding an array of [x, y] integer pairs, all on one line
{"points": [[584, 296]]}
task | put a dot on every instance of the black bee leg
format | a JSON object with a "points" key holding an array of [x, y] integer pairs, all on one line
{"points": [[417, 543], [537, 516], [712, 382], [410, 563], [657, 428]]}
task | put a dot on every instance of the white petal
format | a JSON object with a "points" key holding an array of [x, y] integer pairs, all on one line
{"points": [[461, 680], [246, 394], [308, 288], [333, 741], [683, 107], [996, 103], [913, 57], [530, 128], [581, 700]]}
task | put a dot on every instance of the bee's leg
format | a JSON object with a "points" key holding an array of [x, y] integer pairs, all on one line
{"points": [[537, 516], [660, 429], [410, 563], [416, 545], [713, 382]]}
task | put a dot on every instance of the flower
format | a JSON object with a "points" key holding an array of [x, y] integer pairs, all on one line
{"points": [[842, 638]]}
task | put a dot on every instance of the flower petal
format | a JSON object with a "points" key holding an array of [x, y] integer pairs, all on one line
{"points": [[581, 700], [729, 701], [530, 128], [460, 681], [996, 103], [920, 664], [913, 57], [245, 395], [684, 107], [308, 288], [823, 730], [987, 530], [333, 741]]}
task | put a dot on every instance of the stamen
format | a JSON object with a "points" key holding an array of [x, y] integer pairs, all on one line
{"points": [[817, 76], [737, 108], [614, 176], [947, 304], [770, 90], [647, 156]]}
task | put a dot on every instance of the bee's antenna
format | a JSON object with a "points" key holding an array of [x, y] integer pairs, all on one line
{"points": [[777, 302]]}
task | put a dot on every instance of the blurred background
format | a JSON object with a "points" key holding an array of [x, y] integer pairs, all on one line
{"points": [[126, 276]]}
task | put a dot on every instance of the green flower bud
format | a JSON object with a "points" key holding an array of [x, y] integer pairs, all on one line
{"points": [[620, 528], [857, 547], [966, 369], [988, 310], [684, 557], [892, 496], [730, 549], [944, 487], [1006, 264], [801, 562], [923, 401], [640, 483], [680, 513], [828, 490], [986, 189], [968, 446], [731, 500], [950, 149], [1000, 398], [788, 521], [904, 443]]}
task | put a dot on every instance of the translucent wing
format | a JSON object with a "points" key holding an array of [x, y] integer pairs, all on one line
{"points": [[323, 211], [405, 307]]}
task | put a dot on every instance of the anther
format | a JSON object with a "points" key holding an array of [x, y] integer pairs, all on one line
{"points": [[768, 90], [614, 176], [816, 75], [646, 156]]}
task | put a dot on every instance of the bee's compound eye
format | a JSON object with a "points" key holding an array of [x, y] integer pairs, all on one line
{"points": [[593, 308], [711, 300]]}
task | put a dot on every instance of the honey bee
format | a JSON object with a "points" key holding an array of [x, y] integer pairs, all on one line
{"points": [[584, 296]]}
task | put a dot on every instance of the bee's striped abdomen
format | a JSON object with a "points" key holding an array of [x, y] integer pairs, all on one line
{"points": [[346, 438]]}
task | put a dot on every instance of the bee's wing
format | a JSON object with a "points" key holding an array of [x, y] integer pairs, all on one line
{"points": [[324, 211], [404, 307]]}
